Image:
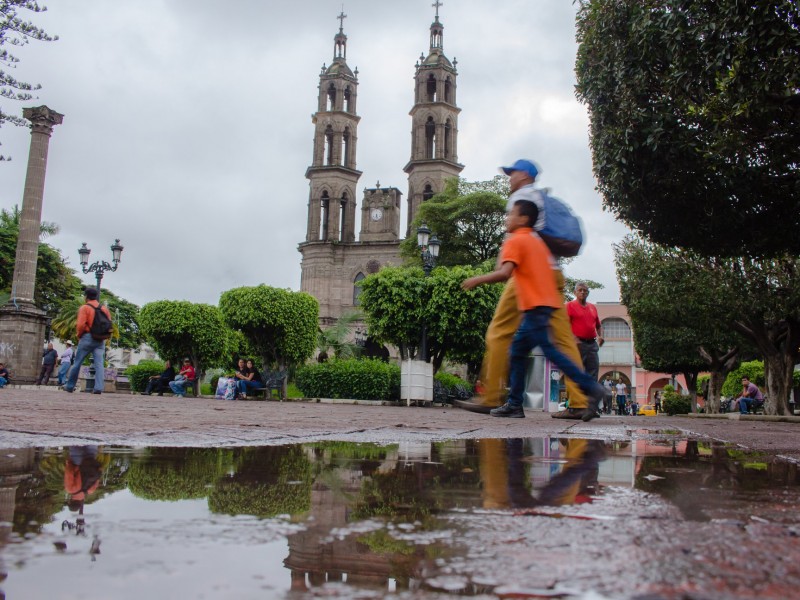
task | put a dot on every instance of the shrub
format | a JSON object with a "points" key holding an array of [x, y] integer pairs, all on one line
{"points": [[674, 403], [139, 374], [451, 387], [753, 369], [351, 378]]}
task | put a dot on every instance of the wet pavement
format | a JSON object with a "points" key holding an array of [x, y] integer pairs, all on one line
{"points": [[657, 516], [202, 498]]}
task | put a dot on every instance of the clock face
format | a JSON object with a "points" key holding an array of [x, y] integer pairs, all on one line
{"points": [[377, 214]]}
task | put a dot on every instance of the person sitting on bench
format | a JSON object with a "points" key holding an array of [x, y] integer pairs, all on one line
{"points": [[160, 383], [251, 379]]}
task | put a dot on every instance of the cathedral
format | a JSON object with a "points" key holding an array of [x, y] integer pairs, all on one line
{"points": [[334, 261]]}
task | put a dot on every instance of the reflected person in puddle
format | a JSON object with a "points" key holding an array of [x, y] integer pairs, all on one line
{"points": [[576, 483], [82, 473]]}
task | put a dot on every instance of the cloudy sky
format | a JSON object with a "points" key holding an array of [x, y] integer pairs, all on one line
{"points": [[187, 126]]}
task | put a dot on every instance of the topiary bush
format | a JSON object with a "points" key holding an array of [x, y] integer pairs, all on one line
{"points": [[139, 374], [351, 378], [674, 403]]}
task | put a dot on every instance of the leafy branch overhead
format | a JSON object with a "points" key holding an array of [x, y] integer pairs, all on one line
{"points": [[16, 31]]}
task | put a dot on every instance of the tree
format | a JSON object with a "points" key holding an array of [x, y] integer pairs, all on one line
{"points": [[280, 325], [468, 218], [398, 301], [15, 31], [55, 281], [335, 338], [179, 329], [695, 119], [676, 321], [758, 299]]}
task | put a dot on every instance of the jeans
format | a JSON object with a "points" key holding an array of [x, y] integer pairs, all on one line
{"points": [[62, 372], [242, 385], [590, 356], [621, 404], [97, 348], [3, 382], [178, 387], [532, 332], [744, 405]]}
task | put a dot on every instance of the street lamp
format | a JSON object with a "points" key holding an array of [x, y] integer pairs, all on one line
{"points": [[99, 268], [429, 252]]}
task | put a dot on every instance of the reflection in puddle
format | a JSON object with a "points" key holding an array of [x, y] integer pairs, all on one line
{"points": [[338, 516]]}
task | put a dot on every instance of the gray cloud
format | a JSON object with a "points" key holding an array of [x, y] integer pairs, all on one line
{"points": [[187, 127]]}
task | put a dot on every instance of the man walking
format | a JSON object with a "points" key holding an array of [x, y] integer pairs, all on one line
{"points": [[65, 361], [621, 390], [87, 344], [49, 357], [586, 327], [507, 317]]}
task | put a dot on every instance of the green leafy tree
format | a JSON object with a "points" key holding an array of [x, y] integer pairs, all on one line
{"points": [[336, 338], [16, 31], [757, 298], [177, 328], [55, 281], [468, 218], [280, 325], [677, 324], [399, 301], [695, 119]]}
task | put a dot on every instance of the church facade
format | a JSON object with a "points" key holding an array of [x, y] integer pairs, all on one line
{"points": [[334, 259]]}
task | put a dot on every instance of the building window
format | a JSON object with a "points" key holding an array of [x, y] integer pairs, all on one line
{"points": [[427, 193], [431, 88], [325, 207], [357, 288], [430, 138], [616, 329]]}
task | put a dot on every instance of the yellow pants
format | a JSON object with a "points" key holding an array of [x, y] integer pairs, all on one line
{"points": [[506, 320]]}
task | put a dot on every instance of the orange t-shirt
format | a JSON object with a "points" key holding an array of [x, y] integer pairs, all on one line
{"points": [[533, 270]]}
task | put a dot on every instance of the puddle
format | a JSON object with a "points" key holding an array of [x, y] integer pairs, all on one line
{"points": [[539, 517]]}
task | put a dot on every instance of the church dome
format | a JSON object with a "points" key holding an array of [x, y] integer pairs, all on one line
{"points": [[437, 58], [339, 67]]}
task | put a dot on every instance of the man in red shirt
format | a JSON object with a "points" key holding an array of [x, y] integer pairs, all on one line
{"points": [[187, 374], [87, 344], [586, 328]]}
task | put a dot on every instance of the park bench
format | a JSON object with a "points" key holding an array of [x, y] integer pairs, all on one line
{"points": [[273, 380]]}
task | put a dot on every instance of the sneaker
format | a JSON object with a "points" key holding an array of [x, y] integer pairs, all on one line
{"points": [[69, 391], [513, 412], [598, 394], [96, 392], [569, 413]]}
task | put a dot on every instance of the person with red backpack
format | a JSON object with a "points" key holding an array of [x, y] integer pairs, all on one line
{"points": [[94, 327]]}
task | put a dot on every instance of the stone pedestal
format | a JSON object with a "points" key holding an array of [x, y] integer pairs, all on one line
{"points": [[22, 333]]}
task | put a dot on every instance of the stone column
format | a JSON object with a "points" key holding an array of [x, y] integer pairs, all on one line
{"points": [[22, 325]]}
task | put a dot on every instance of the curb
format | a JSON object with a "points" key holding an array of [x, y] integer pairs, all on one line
{"points": [[739, 417]]}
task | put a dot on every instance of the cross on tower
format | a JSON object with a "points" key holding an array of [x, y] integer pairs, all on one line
{"points": [[436, 5], [343, 16]]}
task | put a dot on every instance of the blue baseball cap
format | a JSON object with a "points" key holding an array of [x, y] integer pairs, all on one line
{"points": [[522, 165]]}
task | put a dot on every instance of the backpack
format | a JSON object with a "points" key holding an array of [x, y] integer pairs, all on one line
{"points": [[562, 230], [101, 328]]}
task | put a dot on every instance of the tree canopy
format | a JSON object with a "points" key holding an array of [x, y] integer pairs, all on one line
{"points": [[398, 301], [468, 218], [16, 31], [177, 329], [280, 325], [55, 281], [695, 119]]}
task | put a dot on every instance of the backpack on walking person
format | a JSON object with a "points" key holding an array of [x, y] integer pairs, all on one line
{"points": [[562, 230], [101, 328]]}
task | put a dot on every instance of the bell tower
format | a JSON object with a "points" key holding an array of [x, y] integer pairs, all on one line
{"points": [[333, 175], [434, 118]]}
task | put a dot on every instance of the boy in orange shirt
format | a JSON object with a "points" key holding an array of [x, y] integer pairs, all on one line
{"points": [[525, 256]]}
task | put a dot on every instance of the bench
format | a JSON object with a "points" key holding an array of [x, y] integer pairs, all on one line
{"points": [[273, 380]]}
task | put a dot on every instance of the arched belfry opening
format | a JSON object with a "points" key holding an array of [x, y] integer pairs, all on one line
{"points": [[448, 129], [430, 138], [431, 88], [346, 147], [325, 201], [427, 192], [329, 145], [448, 90], [342, 237], [331, 103], [348, 100]]}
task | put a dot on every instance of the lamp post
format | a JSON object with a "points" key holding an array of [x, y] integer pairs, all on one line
{"points": [[429, 252], [99, 268]]}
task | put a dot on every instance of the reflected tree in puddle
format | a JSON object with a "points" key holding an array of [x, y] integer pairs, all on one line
{"points": [[179, 473], [268, 481]]}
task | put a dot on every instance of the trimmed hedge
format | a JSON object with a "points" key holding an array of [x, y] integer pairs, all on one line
{"points": [[451, 387], [357, 379], [139, 374], [674, 403]]}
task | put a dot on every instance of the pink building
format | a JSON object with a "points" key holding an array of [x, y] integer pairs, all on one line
{"points": [[618, 358]]}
